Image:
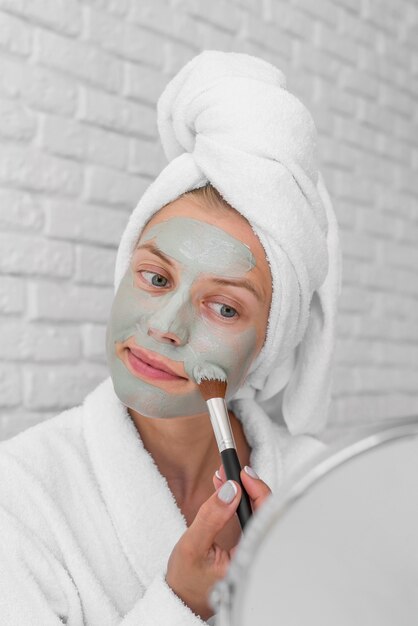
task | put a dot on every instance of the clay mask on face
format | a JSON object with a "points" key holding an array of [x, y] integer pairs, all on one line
{"points": [[198, 248]]}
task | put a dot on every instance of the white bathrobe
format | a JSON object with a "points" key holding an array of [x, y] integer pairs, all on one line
{"points": [[87, 521]]}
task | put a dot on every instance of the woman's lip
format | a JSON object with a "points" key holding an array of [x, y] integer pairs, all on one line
{"points": [[146, 367], [156, 363]]}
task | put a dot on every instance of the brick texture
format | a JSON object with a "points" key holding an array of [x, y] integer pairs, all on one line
{"points": [[79, 82]]}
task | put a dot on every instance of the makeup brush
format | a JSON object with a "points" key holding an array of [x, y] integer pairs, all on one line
{"points": [[212, 385]]}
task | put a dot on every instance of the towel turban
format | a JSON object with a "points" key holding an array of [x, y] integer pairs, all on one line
{"points": [[228, 119]]}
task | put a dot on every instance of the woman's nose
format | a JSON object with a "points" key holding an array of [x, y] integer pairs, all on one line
{"points": [[162, 337], [170, 324]]}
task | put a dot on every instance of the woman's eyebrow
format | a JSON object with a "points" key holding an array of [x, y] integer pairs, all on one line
{"points": [[153, 248], [234, 282], [239, 282]]}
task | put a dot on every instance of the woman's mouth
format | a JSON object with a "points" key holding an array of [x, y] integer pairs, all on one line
{"points": [[146, 370]]}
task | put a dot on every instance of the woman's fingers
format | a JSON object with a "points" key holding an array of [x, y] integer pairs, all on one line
{"points": [[256, 488], [219, 479], [212, 517], [197, 562]]}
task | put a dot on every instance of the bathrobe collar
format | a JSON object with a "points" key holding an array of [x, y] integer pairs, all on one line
{"points": [[143, 509]]}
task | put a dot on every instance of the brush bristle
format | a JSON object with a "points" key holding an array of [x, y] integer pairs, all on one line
{"points": [[211, 380], [212, 388]]}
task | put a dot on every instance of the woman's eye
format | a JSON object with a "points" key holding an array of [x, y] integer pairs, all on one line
{"points": [[225, 310], [157, 280]]}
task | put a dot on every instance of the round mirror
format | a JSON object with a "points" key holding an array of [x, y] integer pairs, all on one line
{"points": [[337, 545]]}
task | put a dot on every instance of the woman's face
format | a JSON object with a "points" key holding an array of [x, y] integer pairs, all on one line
{"points": [[197, 293]]}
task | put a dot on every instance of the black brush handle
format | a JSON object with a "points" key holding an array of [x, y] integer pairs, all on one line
{"points": [[232, 469]]}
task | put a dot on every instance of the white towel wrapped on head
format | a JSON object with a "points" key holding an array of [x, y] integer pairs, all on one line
{"points": [[228, 119]]}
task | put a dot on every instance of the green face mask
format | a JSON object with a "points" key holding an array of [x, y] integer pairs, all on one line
{"points": [[199, 248]]}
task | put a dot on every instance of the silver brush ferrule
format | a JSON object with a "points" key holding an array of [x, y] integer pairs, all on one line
{"points": [[221, 425]]}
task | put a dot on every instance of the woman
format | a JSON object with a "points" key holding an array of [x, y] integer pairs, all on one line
{"points": [[172, 296], [108, 513]]}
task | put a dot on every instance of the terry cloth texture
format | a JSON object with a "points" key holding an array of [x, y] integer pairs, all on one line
{"points": [[87, 521]]}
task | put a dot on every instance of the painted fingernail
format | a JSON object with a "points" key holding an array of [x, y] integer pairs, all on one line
{"points": [[251, 472], [218, 476], [227, 492]]}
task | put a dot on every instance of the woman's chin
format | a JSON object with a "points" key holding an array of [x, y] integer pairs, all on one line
{"points": [[151, 400]]}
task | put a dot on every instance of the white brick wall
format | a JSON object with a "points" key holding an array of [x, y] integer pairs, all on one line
{"points": [[79, 81]]}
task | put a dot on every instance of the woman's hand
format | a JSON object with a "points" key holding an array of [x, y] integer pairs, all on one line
{"points": [[197, 562]]}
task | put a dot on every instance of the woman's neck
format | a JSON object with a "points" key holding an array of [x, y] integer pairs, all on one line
{"points": [[185, 450]]}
